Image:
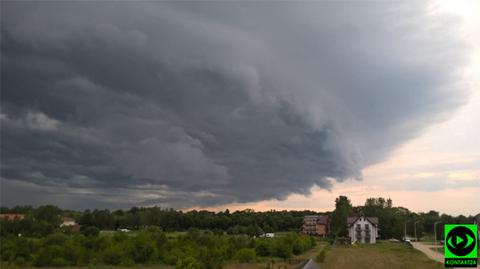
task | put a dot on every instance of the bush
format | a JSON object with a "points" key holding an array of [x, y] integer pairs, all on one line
{"points": [[56, 239], [126, 262], [49, 256], [7, 249], [245, 255], [113, 255], [283, 249], [59, 262], [91, 231], [171, 257], [263, 248], [20, 261], [119, 237], [141, 249], [189, 263]]}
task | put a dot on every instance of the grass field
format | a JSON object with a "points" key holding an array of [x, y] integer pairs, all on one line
{"points": [[376, 256]]}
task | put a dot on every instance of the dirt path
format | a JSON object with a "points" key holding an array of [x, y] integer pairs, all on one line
{"points": [[437, 256]]}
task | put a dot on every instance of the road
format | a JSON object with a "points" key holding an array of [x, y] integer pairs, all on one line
{"points": [[425, 248]]}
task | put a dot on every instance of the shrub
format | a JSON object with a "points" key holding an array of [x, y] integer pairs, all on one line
{"points": [[245, 255], [126, 262], [20, 261], [91, 231], [49, 256], [194, 234], [189, 263], [113, 255], [59, 262], [283, 249], [141, 249], [263, 248], [56, 239], [217, 231], [7, 249], [119, 237]]}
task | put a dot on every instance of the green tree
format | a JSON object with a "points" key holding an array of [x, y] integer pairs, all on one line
{"points": [[48, 213], [343, 209], [91, 231]]}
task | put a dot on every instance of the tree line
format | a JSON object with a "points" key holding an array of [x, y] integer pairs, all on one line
{"points": [[44, 220]]}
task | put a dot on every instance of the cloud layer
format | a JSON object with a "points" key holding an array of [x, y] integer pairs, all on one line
{"points": [[182, 104]]}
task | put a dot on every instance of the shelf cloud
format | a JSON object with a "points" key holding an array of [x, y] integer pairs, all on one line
{"points": [[184, 104]]}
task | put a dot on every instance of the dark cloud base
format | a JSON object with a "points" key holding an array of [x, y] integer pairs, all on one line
{"points": [[181, 104]]}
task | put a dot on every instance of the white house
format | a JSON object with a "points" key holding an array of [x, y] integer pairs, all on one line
{"points": [[66, 221], [363, 229]]}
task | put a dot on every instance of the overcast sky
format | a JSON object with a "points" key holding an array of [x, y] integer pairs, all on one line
{"points": [[240, 104]]}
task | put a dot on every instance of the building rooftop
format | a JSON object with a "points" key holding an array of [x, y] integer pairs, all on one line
{"points": [[372, 220], [11, 216], [321, 219]]}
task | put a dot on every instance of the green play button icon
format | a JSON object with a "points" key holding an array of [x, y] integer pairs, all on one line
{"points": [[458, 240], [460, 245]]}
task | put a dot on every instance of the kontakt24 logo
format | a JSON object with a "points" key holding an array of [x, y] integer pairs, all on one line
{"points": [[461, 245]]}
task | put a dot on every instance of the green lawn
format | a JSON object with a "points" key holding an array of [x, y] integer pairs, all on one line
{"points": [[377, 256]]}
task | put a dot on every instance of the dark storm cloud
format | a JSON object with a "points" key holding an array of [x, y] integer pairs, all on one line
{"points": [[181, 104]]}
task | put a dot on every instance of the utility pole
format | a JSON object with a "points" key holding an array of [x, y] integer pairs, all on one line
{"points": [[435, 231], [415, 229], [405, 231]]}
